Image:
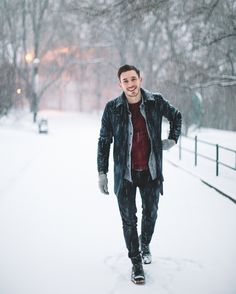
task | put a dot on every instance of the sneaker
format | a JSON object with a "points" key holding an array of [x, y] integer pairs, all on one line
{"points": [[147, 257], [137, 276], [145, 252]]}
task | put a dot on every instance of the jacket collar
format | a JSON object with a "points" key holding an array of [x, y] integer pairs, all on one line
{"points": [[147, 96]]}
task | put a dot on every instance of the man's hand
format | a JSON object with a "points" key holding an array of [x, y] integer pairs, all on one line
{"points": [[103, 183], [167, 144]]}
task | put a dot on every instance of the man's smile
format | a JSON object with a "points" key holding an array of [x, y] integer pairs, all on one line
{"points": [[132, 89]]}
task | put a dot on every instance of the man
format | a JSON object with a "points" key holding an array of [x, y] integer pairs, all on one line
{"points": [[133, 121]]}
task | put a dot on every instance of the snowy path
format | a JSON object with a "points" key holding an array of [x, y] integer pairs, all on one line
{"points": [[59, 235]]}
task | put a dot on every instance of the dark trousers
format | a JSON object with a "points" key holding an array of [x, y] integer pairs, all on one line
{"points": [[149, 191]]}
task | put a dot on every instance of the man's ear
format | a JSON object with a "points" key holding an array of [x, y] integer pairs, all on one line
{"points": [[120, 84]]}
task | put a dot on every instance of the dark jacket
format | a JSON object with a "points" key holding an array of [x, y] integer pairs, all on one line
{"points": [[114, 127]]}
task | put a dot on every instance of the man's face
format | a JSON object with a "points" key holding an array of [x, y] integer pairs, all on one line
{"points": [[130, 82]]}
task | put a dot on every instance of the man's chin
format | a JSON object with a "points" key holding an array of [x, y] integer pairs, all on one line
{"points": [[133, 94]]}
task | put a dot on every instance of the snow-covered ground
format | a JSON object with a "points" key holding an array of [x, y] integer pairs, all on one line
{"points": [[59, 235]]}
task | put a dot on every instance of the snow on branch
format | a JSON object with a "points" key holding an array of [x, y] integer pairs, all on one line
{"points": [[221, 83]]}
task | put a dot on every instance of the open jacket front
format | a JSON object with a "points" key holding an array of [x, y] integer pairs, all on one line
{"points": [[114, 128]]}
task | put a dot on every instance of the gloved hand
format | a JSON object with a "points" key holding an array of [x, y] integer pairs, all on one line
{"points": [[103, 183], [167, 144]]}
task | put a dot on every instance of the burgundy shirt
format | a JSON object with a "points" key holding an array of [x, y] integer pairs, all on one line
{"points": [[140, 144]]}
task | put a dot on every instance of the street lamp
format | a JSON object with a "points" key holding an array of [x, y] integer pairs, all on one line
{"points": [[35, 101], [34, 62]]}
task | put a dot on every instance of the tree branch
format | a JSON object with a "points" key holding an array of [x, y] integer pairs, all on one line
{"points": [[220, 38], [212, 83]]}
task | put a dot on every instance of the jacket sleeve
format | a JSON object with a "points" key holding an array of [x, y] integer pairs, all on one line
{"points": [[104, 142], [175, 119]]}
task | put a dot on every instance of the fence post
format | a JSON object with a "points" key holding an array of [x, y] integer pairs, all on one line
{"points": [[195, 151], [180, 147], [217, 159], [235, 159]]}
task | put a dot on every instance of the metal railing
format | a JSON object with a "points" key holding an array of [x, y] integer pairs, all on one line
{"points": [[217, 147]]}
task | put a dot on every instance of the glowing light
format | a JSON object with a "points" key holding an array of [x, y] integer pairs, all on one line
{"points": [[18, 91], [29, 57]]}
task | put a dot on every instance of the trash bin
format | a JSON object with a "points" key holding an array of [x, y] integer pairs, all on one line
{"points": [[43, 126]]}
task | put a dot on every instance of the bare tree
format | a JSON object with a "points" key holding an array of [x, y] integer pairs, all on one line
{"points": [[10, 45], [34, 30], [183, 47]]}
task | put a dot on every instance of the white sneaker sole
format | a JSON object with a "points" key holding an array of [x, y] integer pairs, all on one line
{"points": [[147, 260]]}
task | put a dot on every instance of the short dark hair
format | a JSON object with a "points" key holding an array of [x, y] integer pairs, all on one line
{"points": [[127, 67]]}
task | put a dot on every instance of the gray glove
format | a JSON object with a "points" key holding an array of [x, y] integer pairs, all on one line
{"points": [[103, 183], [167, 144]]}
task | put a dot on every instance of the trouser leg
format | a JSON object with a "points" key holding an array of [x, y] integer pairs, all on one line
{"points": [[127, 206], [149, 192]]}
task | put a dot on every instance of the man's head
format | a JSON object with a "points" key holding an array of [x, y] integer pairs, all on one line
{"points": [[127, 67], [130, 81]]}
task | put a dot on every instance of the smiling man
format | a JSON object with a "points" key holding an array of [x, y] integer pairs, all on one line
{"points": [[133, 122], [130, 82]]}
